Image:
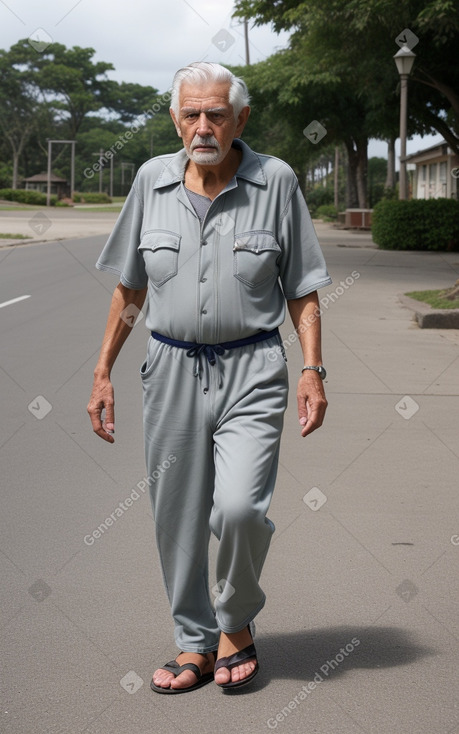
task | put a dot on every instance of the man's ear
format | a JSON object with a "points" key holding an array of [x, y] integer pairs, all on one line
{"points": [[174, 119], [242, 120]]}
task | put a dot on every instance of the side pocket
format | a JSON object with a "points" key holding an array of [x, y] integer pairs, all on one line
{"points": [[154, 351]]}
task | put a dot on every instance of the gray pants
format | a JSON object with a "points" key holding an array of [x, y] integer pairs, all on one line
{"points": [[212, 448]]}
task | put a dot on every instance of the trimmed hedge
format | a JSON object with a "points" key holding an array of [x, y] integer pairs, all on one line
{"points": [[26, 197], [91, 198], [417, 224], [327, 212]]}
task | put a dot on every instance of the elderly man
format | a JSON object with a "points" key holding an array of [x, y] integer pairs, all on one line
{"points": [[217, 238]]}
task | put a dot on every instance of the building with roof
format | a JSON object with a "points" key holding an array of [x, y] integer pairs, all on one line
{"points": [[39, 182], [436, 172]]}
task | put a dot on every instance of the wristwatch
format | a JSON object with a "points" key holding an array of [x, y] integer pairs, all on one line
{"points": [[320, 369]]}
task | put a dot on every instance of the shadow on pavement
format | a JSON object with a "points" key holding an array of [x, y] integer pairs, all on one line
{"points": [[319, 654]]}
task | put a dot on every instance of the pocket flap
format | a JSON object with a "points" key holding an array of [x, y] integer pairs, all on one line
{"points": [[160, 239], [256, 242]]}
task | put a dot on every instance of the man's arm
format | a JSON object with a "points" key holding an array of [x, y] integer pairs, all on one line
{"points": [[116, 333], [312, 402]]}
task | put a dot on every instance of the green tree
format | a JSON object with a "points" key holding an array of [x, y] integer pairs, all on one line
{"points": [[339, 61]]}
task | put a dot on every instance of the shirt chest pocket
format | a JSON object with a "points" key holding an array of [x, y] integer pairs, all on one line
{"points": [[160, 250], [255, 258]]}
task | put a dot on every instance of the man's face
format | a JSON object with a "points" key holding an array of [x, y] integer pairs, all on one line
{"points": [[206, 122]]}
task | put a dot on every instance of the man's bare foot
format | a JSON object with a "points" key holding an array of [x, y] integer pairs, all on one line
{"points": [[230, 644], [166, 679]]}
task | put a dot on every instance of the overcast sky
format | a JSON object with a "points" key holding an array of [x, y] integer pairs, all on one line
{"points": [[148, 40]]}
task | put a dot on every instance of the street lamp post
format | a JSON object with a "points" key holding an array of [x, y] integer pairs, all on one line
{"points": [[404, 60]]}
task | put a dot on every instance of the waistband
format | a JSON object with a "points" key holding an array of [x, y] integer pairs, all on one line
{"points": [[212, 351]]}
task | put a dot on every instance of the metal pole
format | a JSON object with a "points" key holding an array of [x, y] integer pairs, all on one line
{"points": [[48, 184], [402, 193], [101, 171], [72, 171], [246, 38], [336, 180]]}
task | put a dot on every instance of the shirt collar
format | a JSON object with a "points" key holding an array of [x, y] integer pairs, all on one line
{"points": [[250, 167]]}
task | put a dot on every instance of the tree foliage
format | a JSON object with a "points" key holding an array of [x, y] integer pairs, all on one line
{"points": [[338, 69]]}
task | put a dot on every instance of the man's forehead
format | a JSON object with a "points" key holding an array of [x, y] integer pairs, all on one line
{"points": [[214, 94]]}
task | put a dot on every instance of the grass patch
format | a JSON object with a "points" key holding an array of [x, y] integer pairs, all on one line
{"points": [[20, 208], [7, 236], [98, 208], [436, 299]]}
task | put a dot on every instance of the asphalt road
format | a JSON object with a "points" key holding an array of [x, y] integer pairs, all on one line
{"points": [[360, 631]]}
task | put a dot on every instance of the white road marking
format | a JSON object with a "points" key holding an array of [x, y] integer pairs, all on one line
{"points": [[13, 300]]}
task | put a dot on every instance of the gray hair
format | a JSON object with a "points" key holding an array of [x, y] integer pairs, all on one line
{"points": [[200, 72]]}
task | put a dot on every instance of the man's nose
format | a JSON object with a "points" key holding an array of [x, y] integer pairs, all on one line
{"points": [[203, 129]]}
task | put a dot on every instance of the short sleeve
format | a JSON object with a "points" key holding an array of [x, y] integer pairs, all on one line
{"points": [[302, 266], [120, 254]]}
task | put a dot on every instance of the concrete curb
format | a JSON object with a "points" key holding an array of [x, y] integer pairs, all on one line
{"points": [[431, 318]]}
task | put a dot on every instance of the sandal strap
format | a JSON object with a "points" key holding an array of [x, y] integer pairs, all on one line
{"points": [[176, 669], [248, 653]]}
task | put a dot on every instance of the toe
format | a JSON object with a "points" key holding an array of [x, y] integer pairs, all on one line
{"points": [[222, 675], [242, 671], [162, 678], [184, 680]]}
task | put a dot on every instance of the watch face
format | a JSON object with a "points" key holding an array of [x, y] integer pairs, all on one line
{"points": [[322, 372]]}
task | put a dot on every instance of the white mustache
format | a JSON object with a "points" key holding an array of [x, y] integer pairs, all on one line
{"points": [[198, 142]]}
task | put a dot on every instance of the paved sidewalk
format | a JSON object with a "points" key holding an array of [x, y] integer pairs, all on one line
{"points": [[360, 630], [48, 224]]}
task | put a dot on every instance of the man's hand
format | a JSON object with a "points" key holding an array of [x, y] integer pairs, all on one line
{"points": [[116, 333], [312, 402], [102, 398]]}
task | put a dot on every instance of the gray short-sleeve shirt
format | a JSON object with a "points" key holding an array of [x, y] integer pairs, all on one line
{"points": [[227, 277]]}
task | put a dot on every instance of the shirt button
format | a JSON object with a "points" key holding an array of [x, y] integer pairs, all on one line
{"points": [[203, 310], [204, 242], [203, 280]]}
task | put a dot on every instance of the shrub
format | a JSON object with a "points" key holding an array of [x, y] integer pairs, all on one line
{"points": [[418, 224], [26, 197], [327, 212], [318, 197], [91, 198]]}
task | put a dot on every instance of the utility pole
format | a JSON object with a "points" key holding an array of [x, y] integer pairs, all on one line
{"points": [[336, 179], [246, 38], [101, 168], [72, 167]]}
